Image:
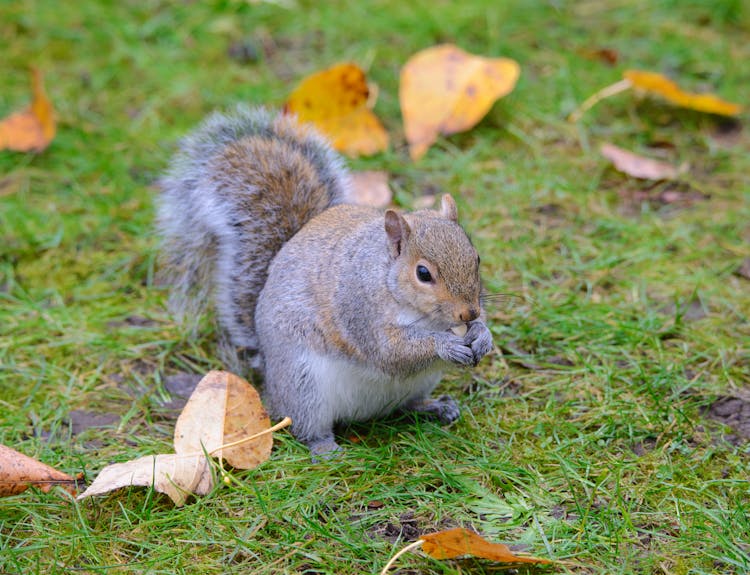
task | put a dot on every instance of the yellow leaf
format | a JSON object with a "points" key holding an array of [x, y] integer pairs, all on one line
{"points": [[336, 101], [33, 129], [459, 541], [653, 83], [445, 90]]}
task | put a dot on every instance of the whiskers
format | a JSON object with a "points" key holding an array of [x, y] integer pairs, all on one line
{"points": [[495, 298], [426, 317], [436, 318]]}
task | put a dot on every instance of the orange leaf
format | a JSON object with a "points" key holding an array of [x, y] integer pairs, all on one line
{"points": [[18, 472], [653, 83], [33, 129], [445, 90], [336, 102], [457, 542]]}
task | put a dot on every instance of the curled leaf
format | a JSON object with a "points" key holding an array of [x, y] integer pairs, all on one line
{"points": [[459, 541], [222, 409], [445, 90], [223, 417], [337, 101], [33, 129], [177, 476], [653, 83], [18, 472]]}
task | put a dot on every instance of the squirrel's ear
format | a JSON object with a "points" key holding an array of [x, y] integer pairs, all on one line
{"points": [[397, 231], [448, 208]]}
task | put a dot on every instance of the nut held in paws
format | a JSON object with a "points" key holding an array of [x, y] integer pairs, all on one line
{"points": [[460, 330]]}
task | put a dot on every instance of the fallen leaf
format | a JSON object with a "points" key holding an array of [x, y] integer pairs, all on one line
{"points": [[640, 166], [223, 417], [337, 102], [445, 90], [223, 409], [177, 476], [653, 83], [459, 541], [370, 188], [18, 472], [33, 129]]}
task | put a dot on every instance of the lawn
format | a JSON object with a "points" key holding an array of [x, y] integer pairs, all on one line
{"points": [[596, 433]]}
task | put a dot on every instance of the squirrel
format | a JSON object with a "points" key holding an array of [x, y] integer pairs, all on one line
{"points": [[348, 312]]}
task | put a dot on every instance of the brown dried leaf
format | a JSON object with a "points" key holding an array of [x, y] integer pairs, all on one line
{"points": [[18, 472], [224, 408], [177, 476], [370, 188], [640, 166], [459, 541], [222, 412]]}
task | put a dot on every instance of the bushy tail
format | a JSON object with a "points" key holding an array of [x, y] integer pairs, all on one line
{"points": [[241, 185]]}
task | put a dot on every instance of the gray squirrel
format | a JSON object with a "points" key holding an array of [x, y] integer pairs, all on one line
{"points": [[349, 313]]}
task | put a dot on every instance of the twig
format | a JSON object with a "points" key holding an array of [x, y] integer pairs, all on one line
{"points": [[597, 97], [280, 425], [417, 543]]}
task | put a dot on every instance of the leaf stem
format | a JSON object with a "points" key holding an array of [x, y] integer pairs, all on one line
{"points": [[597, 97], [414, 545], [280, 425]]}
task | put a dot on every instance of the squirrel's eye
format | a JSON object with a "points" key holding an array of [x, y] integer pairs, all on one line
{"points": [[423, 274]]}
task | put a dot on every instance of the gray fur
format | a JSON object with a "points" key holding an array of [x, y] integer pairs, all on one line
{"points": [[206, 259], [320, 297]]}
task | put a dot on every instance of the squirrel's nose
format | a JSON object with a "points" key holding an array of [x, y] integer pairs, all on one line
{"points": [[468, 314]]}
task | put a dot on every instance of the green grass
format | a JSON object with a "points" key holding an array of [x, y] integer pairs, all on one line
{"points": [[593, 447]]}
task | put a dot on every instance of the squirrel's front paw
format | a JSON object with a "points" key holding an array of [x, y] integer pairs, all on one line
{"points": [[455, 349], [479, 339]]}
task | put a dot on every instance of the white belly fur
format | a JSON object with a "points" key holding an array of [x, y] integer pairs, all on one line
{"points": [[352, 392]]}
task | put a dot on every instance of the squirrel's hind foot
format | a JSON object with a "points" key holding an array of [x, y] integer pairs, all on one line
{"points": [[323, 448], [444, 408]]}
